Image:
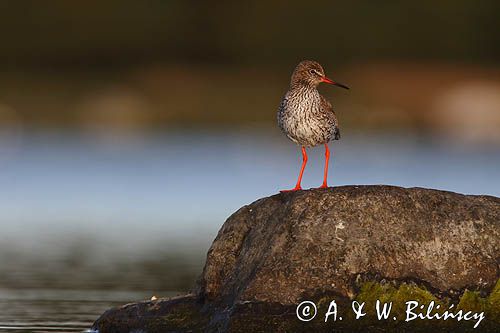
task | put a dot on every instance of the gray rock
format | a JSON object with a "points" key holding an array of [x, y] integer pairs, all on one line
{"points": [[332, 244]]}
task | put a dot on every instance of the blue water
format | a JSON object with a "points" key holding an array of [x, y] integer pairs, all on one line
{"points": [[186, 182], [88, 220], [55, 310]]}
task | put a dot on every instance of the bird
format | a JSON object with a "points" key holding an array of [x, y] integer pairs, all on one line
{"points": [[306, 117]]}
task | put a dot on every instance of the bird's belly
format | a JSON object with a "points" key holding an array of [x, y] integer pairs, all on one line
{"points": [[308, 130]]}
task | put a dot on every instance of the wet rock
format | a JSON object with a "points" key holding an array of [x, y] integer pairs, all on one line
{"points": [[343, 243]]}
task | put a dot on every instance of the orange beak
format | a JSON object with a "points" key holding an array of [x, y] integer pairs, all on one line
{"points": [[327, 80]]}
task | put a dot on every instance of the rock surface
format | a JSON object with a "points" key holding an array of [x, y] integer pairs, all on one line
{"points": [[341, 243]]}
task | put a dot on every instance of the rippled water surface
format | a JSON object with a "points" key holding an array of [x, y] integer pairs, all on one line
{"points": [[88, 223], [52, 310]]}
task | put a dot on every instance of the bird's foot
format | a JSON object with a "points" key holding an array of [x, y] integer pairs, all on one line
{"points": [[296, 188], [324, 185]]}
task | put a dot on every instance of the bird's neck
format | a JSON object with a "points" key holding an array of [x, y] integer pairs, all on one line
{"points": [[302, 82], [303, 90]]}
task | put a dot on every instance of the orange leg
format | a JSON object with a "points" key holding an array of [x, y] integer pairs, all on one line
{"points": [[327, 158], [304, 162]]}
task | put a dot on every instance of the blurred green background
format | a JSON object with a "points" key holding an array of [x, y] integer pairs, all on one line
{"points": [[264, 33], [131, 65]]}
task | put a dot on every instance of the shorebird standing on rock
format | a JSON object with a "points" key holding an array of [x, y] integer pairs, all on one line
{"points": [[305, 116]]}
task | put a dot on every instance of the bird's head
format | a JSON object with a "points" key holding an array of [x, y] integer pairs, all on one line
{"points": [[310, 73]]}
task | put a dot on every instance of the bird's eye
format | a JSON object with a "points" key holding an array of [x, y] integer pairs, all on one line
{"points": [[312, 71]]}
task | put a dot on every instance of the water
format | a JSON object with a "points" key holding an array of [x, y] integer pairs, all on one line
{"points": [[54, 310], [93, 221]]}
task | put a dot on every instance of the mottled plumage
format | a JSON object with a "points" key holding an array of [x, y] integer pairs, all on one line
{"points": [[305, 116]]}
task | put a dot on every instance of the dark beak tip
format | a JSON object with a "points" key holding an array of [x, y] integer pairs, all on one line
{"points": [[343, 86]]}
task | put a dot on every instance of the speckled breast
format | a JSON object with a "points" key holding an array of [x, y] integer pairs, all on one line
{"points": [[304, 121]]}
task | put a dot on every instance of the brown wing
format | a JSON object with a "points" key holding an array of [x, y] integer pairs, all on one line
{"points": [[327, 108], [325, 105]]}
